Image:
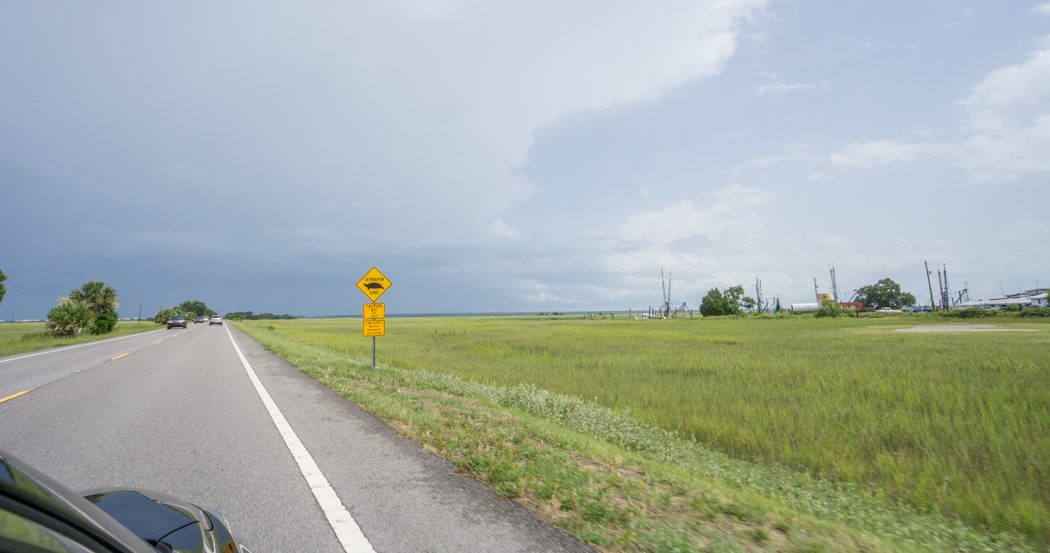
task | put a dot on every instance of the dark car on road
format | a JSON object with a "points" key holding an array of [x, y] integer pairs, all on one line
{"points": [[38, 514], [177, 320], [199, 320]]}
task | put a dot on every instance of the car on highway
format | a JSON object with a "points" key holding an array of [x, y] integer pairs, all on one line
{"points": [[198, 320], [215, 320], [177, 320], [39, 514]]}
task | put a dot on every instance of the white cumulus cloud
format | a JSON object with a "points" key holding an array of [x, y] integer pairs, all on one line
{"points": [[712, 219], [1009, 116], [1007, 120], [1041, 9], [499, 228]]}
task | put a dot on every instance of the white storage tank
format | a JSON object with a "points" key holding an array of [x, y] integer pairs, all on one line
{"points": [[804, 307]]}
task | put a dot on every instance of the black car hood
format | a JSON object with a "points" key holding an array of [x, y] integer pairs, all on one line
{"points": [[148, 514], [21, 484]]}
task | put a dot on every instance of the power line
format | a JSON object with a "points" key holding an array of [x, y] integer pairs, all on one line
{"points": [[30, 285], [26, 302], [23, 290]]}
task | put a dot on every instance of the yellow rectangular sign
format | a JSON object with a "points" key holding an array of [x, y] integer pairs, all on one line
{"points": [[374, 311], [375, 328]]}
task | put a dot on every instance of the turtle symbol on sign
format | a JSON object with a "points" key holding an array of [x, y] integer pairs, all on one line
{"points": [[374, 286]]}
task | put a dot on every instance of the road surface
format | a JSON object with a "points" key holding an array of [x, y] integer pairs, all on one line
{"points": [[208, 415]]}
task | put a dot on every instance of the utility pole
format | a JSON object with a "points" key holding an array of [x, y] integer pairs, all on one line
{"points": [[947, 294], [670, 273], [758, 293], [933, 306], [834, 286], [663, 308], [816, 291], [140, 313], [940, 286]]}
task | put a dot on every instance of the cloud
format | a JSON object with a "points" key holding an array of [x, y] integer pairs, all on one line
{"points": [[536, 292], [803, 155], [825, 241], [685, 219], [880, 153], [435, 102], [1023, 228], [1041, 9], [781, 87], [1007, 120], [1008, 115], [645, 191], [499, 228]]}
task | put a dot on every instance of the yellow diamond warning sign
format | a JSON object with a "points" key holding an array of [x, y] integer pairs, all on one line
{"points": [[373, 284]]}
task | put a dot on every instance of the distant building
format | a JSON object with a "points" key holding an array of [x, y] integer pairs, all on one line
{"points": [[1029, 298]]}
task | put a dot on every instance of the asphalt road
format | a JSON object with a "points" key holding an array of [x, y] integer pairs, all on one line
{"points": [[180, 414]]}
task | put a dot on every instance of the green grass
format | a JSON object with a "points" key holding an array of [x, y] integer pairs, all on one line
{"points": [[952, 423], [23, 337], [617, 483]]}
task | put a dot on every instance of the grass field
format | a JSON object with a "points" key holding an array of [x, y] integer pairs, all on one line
{"points": [[23, 337], [957, 423]]}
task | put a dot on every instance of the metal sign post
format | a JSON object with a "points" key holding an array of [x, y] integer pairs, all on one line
{"points": [[373, 285]]}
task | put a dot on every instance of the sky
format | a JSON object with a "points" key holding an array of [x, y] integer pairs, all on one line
{"points": [[519, 156]]}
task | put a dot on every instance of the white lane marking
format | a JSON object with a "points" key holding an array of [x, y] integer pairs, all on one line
{"points": [[95, 343], [346, 529]]}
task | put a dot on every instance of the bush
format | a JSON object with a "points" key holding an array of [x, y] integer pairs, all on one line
{"points": [[970, 313], [829, 308], [69, 319], [104, 323], [164, 314], [1013, 308], [1036, 312]]}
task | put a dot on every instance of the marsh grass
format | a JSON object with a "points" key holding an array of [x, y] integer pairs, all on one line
{"points": [[616, 482], [957, 423], [24, 337]]}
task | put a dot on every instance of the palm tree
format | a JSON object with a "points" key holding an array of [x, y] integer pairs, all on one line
{"points": [[96, 295]]}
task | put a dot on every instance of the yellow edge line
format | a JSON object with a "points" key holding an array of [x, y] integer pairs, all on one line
{"points": [[16, 395], [119, 356], [157, 342]]}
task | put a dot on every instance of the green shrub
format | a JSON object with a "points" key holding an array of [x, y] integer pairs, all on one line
{"points": [[164, 314], [1036, 312], [969, 313], [829, 308], [104, 323], [1013, 308], [69, 319]]}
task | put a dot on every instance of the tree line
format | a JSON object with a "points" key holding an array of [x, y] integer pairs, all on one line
{"points": [[249, 316], [734, 301], [190, 308]]}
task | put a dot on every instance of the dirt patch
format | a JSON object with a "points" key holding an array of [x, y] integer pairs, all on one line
{"points": [[962, 328]]}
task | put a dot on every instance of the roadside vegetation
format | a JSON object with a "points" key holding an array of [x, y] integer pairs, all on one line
{"points": [[249, 316], [25, 337], [92, 307], [787, 433], [190, 308]]}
